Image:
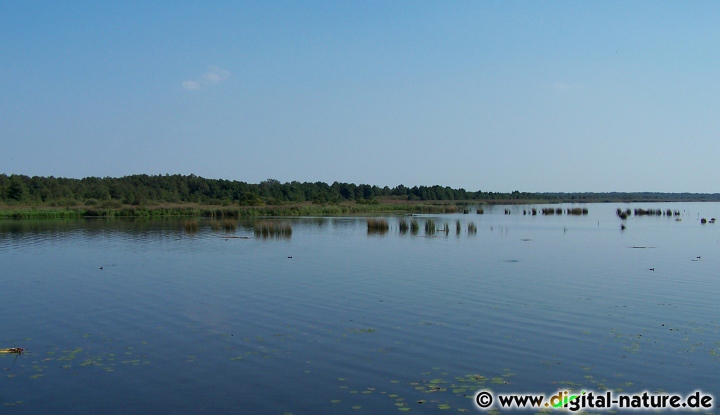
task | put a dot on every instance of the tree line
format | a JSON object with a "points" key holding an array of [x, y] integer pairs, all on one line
{"points": [[141, 189]]}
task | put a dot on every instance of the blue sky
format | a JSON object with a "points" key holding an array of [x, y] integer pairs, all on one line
{"points": [[492, 96]]}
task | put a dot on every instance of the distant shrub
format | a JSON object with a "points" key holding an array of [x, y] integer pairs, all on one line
{"points": [[111, 204]]}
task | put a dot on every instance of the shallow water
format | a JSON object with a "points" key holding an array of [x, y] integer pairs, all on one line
{"points": [[178, 323]]}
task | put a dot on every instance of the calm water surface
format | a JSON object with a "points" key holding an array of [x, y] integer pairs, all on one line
{"points": [[353, 323]]}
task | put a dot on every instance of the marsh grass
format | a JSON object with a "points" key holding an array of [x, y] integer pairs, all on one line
{"points": [[480, 211], [229, 225], [377, 226], [430, 227], [414, 227], [191, 226], [472, 229], [648, 212], [403, 226], [71, 208], [269, 229], [458, 228]]}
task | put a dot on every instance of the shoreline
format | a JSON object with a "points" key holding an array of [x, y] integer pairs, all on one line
{"points": [[112, 209]]}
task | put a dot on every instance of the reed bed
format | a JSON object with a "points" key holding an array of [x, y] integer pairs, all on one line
{"points": [[648, 212], [430, 227], [377, 226], [229, 225], [273, 229], [403, 226], [577, 211], [622, 214], [114, 209], [472, 229], [480, 211], [458, 228], [655, 212], [414, 227], [191, 226]]}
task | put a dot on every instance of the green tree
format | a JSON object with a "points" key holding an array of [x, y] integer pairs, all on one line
{"points": [[17, 189]]}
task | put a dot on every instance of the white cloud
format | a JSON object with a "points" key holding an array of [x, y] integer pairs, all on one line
{"points": [[213, 76], [190, 85]]}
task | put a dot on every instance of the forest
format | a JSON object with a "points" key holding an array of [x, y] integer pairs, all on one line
{"points": [[142, 189]]}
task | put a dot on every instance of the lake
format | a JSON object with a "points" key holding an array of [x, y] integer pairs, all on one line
{"points": [[141, 316]]}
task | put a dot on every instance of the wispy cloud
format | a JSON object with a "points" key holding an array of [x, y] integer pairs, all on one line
{"points": [[190, 85], [214, 75]]}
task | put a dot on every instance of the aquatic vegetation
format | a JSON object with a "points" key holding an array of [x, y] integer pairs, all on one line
{"points": [[268, 229], [403, 226], [414, 227], [430, 227], [229, 225], [191, 226], [472, 229], [457, 227], [377, 226], [577, 211], [649, 212]]}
